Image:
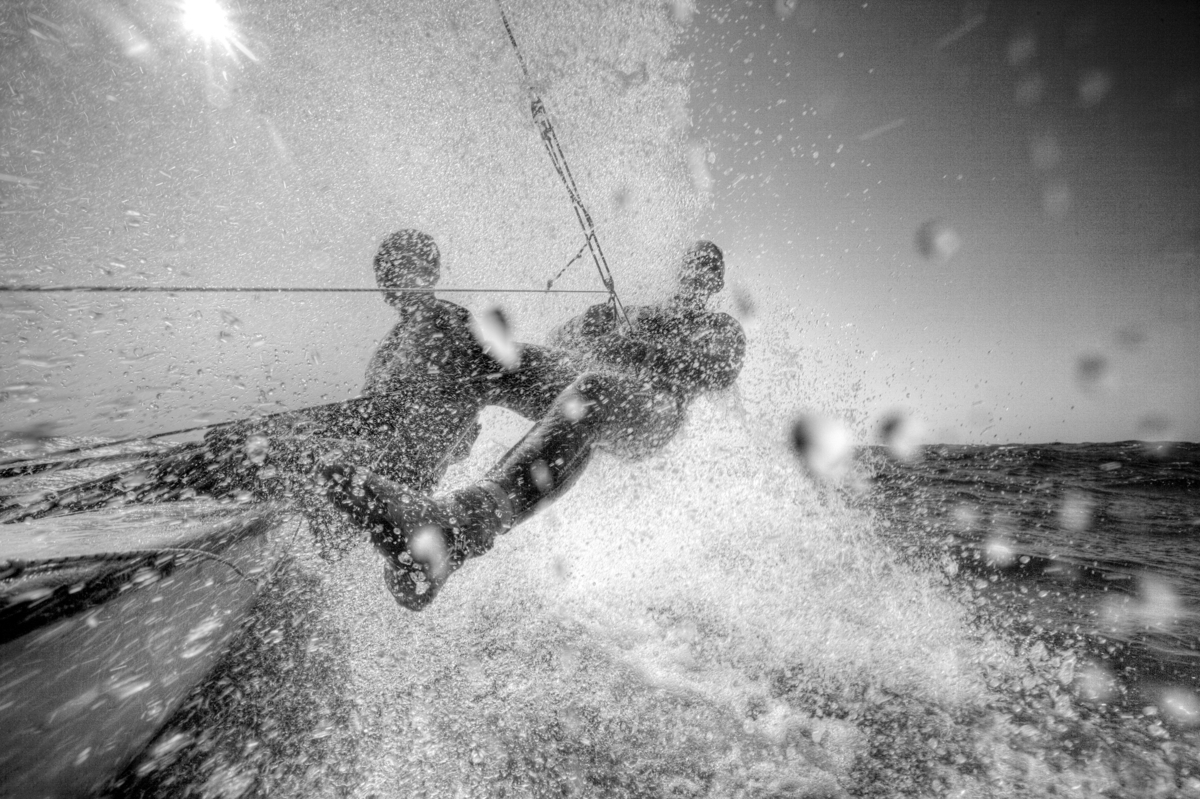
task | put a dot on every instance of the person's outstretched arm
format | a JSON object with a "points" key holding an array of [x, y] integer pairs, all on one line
{"points": [[706, 357]]}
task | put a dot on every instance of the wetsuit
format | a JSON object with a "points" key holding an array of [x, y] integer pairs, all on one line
{"points": [[596, 388], [631, 399], [425, 387]]}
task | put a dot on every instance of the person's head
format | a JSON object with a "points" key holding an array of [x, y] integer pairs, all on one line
{"points": [[407, 259], [701, 274]]}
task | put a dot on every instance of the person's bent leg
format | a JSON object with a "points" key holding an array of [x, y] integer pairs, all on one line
{"points": [[424, 540], [599, 409]]}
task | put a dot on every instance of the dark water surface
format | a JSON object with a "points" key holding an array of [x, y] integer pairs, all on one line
{"points": [[983, 621]]}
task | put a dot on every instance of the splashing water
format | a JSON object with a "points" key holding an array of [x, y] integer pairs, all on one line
{"points": [[708, 622], [673, 643]]}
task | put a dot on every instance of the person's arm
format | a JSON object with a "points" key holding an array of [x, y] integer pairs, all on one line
{"points": [[713, 355], [706, 357], [378, 368], [579, 333]]}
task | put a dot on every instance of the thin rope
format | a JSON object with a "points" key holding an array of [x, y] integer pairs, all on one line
{"points": [[541, 118], [30, 462], [282, 289], [578, 255]]}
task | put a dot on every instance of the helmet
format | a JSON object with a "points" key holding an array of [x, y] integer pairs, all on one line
{"points": [[703, 269], [407, 259]]}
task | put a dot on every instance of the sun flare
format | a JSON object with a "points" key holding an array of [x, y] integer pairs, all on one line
{"points": [[209, 21]]}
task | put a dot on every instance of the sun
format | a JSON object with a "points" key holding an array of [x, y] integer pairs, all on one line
{"points": [[210, 22]]}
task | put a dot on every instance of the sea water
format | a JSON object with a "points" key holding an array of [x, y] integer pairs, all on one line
{"points": [[717, 621]]}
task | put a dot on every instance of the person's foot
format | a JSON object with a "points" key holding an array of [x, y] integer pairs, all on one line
{"points": [[423, 540]]}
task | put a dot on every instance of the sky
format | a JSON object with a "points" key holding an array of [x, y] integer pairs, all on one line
{"points": [[1047, 150], [1053, 144]]}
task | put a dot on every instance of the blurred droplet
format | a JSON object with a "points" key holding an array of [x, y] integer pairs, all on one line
{"points": [[698, 161], [1075, 513], [1056, 201], [1044, 152], [744, 307], [784, 9], [33, 437], [539, 472], [256, 449], [1029, 90], [937, 241], [999, 552], [230, 320], [1021, 49], [1159, 606], [134, 479], [428, 546], [575, 407], [965, 517], [1154, 427], [1180, 706], [1095, 683], [1094, 86], [1131, 338], [491, 330], [620, 198], [901, 436], [1092, 372], [682, 10], [824, 445]]}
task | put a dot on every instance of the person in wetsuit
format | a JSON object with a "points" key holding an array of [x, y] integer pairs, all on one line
{"points": [[424, 388], [627, 392]]}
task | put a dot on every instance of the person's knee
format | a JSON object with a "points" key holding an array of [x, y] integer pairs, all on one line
{"points": [[408, 586], [590, 396]]}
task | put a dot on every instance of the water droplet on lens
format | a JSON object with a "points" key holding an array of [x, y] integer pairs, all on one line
{"points": [[1029, 90], [1021, 49], [428, 546], [1092, 372], [698, 161], [999, 552], [1095, 683], [491, 330], [681, 11], [965, 516], [785, 8], [1131, 338], [1181, 706], [1056, 201], [937, 241], [575, 407], [1158, 604], [1154, 426], [901, 436], [539, 472], [743, 304], [256, 449], [1045, 152], [1094, 86], [824, 445], [620, 198], [1075, 513]]}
